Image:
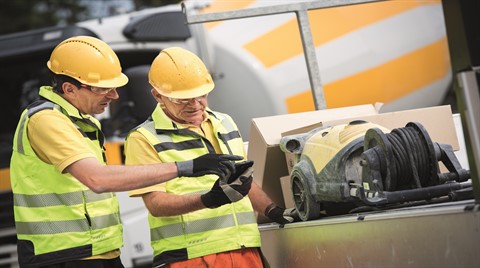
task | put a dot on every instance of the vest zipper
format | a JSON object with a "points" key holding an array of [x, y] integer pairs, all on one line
{"points": [[86, 211], [88, 220]]}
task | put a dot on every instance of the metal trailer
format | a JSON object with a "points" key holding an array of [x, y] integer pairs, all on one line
{"points": [[434, 235]]}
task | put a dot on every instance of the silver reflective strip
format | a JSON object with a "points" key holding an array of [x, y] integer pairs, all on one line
{"points": [[150, 127], [30, 112], [166, 231], [105, 221], [202, 225], [246, 218], [20, 135], [55, 227], [43, 106], [91, 196], [227, 124], [47, 200], [164, 138], [209, 224]]}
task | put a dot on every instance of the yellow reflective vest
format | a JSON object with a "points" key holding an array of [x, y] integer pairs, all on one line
{"points": [[57, 218], [207, 231]]}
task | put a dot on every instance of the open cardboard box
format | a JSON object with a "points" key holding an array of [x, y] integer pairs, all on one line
{"points": [[266, 132]]}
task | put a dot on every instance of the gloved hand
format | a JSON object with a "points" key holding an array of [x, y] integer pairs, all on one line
{"points": [[240, 168], [281, 215], [229, 190], [218, 164]]}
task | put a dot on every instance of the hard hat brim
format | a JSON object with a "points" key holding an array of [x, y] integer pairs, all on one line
{"points": [[115, 82], [187, 94]]}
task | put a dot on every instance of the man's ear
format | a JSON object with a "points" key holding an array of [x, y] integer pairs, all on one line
{"points": [[156, 95], [68, 88]]}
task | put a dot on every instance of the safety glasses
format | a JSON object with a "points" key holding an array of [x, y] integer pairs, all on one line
{"points": [[98, 90], [186, 101]]}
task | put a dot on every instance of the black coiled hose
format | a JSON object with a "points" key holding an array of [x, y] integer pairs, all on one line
{"points": [[412, 159]]}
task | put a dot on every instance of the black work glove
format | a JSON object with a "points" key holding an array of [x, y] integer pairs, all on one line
{"points": [[218, 164], [281, 215], [229, 190]]}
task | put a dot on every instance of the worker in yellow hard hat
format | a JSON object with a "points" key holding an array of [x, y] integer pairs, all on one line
{"points": [[66, 213], [196, 222]]}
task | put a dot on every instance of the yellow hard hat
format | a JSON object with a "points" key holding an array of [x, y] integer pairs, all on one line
{"points": [[89, 60], [179, 73]]}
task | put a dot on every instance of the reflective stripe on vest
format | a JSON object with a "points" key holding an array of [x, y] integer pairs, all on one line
{"points": [[68, 199], [46, 200], [30, 112], [57, 227], [202, 225]]}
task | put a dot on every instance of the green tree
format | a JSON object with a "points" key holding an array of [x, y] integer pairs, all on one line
{"points": [[142, 4], [22, 15]]}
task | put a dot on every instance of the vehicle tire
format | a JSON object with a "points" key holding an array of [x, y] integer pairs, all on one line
{"points": [[307, 207]]}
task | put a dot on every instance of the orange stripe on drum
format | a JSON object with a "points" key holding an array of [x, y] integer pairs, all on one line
{"points": [[284, 42], [384, 83]]}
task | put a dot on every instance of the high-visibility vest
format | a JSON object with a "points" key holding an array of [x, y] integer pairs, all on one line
{"points": [[57, 218], [207, 231]]}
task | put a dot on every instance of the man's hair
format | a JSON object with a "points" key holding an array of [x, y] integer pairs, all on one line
{"points": [[59, 79]]}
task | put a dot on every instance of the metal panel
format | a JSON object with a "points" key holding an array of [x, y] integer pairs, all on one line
{"points": [[470, 94], [442, 235]]}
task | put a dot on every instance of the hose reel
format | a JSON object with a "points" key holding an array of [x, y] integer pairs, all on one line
{"points": [[403, 166]]}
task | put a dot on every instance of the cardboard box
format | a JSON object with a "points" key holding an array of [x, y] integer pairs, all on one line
{"points": [[265, 135], [287, 191], [266, 132]]}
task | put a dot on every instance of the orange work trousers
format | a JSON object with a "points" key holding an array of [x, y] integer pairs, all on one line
{"points": [[240, 258]]}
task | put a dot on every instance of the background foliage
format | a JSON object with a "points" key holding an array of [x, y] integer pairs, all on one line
{"points": [[23, 15]]}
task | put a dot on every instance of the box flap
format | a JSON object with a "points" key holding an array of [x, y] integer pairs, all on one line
{"points": [[301, 130], [271, 127], [438, 121]]}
